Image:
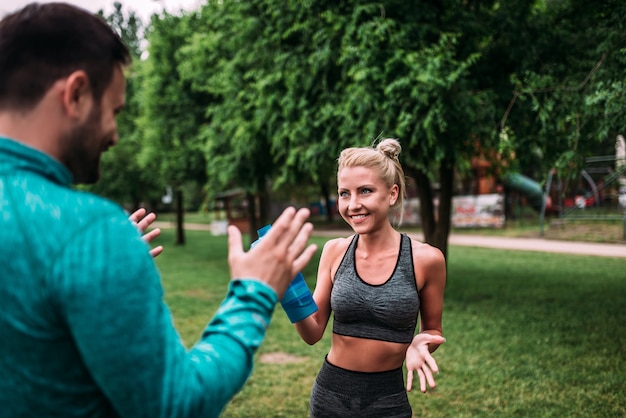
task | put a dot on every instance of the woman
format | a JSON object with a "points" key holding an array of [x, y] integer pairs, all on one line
{"points": [[377, 282]]}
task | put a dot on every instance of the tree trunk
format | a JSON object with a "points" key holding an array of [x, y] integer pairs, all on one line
{"points": [[325, 190], [180, 211], [252, 219], [446, 181], [427, 209], [262, 198], [264, 207], [436, 229]]}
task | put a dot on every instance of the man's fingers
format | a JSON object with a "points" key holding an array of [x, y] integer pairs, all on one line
{"points": [[300, 226], [138, 214], [235, 246], [280, 227], [141, 220], [287, 227], [300, 241], [146, 221], [148, 237], [156, 251], [300, 263]]}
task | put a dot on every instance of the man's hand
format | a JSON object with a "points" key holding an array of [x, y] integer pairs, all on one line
{"points": [[143, 221], [279, 256]]}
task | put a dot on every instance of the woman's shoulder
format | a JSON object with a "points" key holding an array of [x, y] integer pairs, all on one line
{"points": [[337, 246], [429, 263], [426, 253]]}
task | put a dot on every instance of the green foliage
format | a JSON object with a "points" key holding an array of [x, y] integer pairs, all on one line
{"points": [[570, 100], [128, 25], [295, 83], [121, 163], [520, 327], [172, 112], [261, 94]]}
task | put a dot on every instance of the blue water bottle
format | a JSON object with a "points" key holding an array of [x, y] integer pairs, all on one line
{"points": [[298, 301]]}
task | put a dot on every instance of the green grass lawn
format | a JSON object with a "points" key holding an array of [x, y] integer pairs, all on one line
{"points": [[199, 217], [528, 334]]}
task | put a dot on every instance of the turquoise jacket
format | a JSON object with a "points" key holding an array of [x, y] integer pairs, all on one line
{"points": [[84, 331]]}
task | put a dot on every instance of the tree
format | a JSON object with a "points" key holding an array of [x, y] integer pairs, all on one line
{"points": [[304, 82], [173, 113], [412, 81], [238, 44], [291, 84], [121, 163], [569, 101]]}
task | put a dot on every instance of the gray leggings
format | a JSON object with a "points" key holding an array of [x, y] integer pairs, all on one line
{"points": [[344, 393]]}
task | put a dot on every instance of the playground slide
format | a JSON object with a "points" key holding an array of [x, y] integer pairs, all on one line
{"points": [[528, 187]]}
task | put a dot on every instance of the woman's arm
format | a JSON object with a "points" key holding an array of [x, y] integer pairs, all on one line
{"points": [[431, 273], [433, 269], [311, 328]]}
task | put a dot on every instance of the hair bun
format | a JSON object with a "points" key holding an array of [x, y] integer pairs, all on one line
{"points": [[390, 147]]}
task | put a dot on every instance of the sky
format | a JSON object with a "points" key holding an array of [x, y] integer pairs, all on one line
{"points": [[143, 8]]}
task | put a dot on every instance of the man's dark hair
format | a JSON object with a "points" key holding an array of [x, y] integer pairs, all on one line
{"points": [[43, 43]]}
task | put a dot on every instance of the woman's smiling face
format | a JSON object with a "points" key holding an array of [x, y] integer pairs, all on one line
{"points": [[364, 200]]}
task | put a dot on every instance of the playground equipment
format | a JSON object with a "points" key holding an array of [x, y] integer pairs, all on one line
{"points": [[527, 187], [573, 209]]}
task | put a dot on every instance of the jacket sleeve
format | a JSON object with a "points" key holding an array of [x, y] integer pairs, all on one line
{"points": [[108, 292]]}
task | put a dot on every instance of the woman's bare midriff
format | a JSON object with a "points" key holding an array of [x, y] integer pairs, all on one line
{"points": [[364, 355]]}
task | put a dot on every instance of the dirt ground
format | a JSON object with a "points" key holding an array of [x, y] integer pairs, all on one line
{"points": [[280, 358]]}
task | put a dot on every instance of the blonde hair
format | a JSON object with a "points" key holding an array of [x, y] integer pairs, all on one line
{"points": [[383, 158]]}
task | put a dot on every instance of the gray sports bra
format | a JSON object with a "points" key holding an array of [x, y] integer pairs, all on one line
{"points": [[386, 312]]}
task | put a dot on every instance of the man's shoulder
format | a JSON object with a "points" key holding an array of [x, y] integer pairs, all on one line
{"points": [[49, 206], [42, 222]]}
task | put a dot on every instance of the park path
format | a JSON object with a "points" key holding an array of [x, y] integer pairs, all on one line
{"points": [[504, 243]]}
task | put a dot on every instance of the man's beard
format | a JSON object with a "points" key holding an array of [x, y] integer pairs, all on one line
{"points": [[84, 146]]}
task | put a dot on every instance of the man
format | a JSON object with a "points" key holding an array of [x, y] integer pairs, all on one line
{"points": [[84, 331]]}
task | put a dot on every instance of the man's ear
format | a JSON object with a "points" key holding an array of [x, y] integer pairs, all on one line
{"points": [[77, 95]]}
